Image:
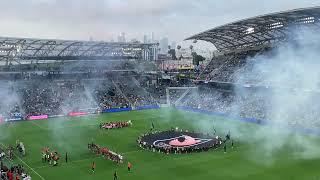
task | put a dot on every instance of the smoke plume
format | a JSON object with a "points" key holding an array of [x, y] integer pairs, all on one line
{"points": [[290, 99]]}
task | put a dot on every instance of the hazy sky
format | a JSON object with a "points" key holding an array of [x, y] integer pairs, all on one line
{"points": [[105, 19]]}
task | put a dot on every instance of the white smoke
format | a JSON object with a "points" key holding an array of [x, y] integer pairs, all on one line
{"points": [[284, 92], [85, 95], [292, 77], [9, 103]]}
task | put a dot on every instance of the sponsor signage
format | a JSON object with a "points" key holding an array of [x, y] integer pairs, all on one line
{"points": [[14, 119], [77, 114], [39, 117]]}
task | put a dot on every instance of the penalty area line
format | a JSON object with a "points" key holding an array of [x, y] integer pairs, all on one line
{"points": [[25, 163]]}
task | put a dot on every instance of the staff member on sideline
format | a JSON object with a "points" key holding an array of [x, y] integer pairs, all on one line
{"points": [[115, 175], [129, 166]]}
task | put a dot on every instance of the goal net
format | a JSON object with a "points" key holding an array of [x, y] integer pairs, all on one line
{"points": [[178, 96]]}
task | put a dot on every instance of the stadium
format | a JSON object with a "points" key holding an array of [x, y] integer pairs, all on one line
{"points": [[96, 110]]}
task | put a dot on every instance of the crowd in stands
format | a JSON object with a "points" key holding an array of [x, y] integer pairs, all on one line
{"points": [[158, 88], [225, 68], [14, 172], [246, 105], [53, 98], [133, 90], [261, 105], [60, 97], [108, 96], [2, 154], [240, 68]]}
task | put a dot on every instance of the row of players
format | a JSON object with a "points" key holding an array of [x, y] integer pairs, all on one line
{"points": [[104, 151], [53, 157], [50, 157], [115, 125]]}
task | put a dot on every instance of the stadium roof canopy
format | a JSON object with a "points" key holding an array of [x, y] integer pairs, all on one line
{"points": [[27, 50], [260, 30]]}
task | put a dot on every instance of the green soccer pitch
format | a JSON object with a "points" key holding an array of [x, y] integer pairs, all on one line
{"points": [[245, 161]]}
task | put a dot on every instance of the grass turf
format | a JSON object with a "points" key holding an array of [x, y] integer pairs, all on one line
{"points": [[71, 135]]}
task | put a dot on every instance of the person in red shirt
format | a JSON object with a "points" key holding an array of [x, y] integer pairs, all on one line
{"points": [[17, 177], [45, 151], [10, 175]]}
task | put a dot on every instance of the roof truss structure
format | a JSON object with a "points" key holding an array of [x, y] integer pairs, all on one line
{"points": [[29, 50], [260, 30]]}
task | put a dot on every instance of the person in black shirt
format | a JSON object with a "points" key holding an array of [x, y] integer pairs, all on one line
{"points": [[152, 127], [115, 175]]}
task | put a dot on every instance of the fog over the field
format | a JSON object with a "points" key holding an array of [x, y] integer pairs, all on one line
{"points": [[294, 65], [9, 99], [89, 99], [293, 71], [292, 77]]}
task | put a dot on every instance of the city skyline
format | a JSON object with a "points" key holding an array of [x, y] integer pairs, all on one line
{"points": [[102, 20]]}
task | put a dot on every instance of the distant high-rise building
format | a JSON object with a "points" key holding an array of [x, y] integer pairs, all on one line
{"points": [[90, 38], [145, 39], [164, 43], [152, 37], [122, 37]]}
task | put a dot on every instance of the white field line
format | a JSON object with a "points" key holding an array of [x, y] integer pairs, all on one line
{"points": [[25, 164]]}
